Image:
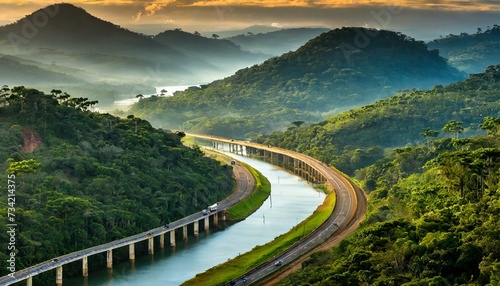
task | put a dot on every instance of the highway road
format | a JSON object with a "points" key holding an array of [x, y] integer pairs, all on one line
{"points": [[245, 186], [348, 212]]}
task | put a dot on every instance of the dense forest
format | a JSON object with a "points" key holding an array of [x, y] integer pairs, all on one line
{"points": [[356, 138], [337, 70], [84, 178], [432, 219], [471, 53], [433, 205]]}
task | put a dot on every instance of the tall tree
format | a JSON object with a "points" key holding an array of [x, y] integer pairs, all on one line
{"points": [[453, 126]]}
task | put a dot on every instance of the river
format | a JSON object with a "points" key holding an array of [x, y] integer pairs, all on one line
{"points": [[291, 201]]}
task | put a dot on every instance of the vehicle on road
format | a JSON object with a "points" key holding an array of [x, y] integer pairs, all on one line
{"points": [[213, 207], [278, 263]]}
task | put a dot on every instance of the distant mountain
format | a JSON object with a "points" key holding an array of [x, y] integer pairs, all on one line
{"points": [[255, 29], [471, 53], [15, 72], [219, 52], [278, 42], [330, 73], [68, 33]]}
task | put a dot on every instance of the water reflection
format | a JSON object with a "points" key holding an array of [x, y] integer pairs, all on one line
{"points": [[291, 201]]}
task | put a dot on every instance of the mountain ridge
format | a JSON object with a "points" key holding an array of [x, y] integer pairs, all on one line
{"points": [[307, 84]]}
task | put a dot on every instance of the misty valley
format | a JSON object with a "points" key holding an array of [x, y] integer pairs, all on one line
{"points": [[105, 131]]}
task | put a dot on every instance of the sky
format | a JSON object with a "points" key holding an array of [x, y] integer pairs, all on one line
{"points": [[421, 19]]}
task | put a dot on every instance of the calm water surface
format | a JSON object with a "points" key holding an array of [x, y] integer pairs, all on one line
{"points": [[291, 201]]}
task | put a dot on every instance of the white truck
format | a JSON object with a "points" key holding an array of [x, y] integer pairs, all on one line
{"points": [[213, 207]]}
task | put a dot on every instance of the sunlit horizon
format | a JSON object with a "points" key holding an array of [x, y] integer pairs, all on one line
{"points": [[422, 19]]}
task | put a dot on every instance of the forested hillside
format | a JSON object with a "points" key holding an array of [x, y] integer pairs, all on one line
{"points": [[471, 53], [335, 71], [355, 138], [432, 220], [84, 178]]}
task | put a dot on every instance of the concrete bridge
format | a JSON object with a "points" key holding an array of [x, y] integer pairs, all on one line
{"points": [[155, 237], [349, 210], [304, 166]]}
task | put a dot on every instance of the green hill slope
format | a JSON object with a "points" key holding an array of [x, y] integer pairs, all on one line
{"points": [[471, 53], [330, 73], [433, 220], [395, 122], [84, 178]]}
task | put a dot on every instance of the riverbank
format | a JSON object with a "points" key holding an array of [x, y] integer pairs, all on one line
{"points": [[225, 272]]}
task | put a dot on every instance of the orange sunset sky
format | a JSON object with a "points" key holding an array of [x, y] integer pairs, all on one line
{"points": [[423, 19]]}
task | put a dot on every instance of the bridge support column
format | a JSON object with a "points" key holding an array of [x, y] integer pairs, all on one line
{"points": [[109, 259], [185, 232], [162, 240], [59, 276], [216, 219], [85, 266], [206, 223], [151, 245], [131, 251], [196, 225], [29, 281], [172, 237]]}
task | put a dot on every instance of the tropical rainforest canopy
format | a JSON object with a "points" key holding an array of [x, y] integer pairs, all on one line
{"points": [[84, 178]]}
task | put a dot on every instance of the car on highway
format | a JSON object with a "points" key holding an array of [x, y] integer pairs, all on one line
{"points": [[278, 263]]}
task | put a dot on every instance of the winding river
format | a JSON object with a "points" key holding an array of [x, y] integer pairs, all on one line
{"points": [[291, 201]]}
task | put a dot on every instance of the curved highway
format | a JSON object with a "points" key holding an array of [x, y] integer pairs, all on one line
{"points": [[349, 210], [245, 185]]}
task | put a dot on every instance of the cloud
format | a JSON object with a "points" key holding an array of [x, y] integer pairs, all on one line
{"points": [[150, 9]]}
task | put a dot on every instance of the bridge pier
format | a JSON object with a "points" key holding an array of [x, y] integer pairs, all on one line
{"points": [[196, 225], [59, 276], [216, 219], [206, 223], [172, 237], [109, 259], [29, 281], [85, 266], [185, 232], [131, 251], [151, 245], [162, 240]]}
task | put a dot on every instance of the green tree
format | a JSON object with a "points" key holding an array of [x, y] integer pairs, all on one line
{"points": [[24, 167], [491, 125], [453, 126]]}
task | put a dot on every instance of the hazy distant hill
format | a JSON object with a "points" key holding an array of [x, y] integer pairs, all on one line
{"points": [[14, 72], [277, 42], [219, 52], [471, 53], [326, 75], [255, 29], [69, 36]]}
